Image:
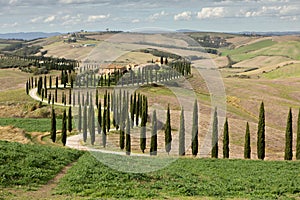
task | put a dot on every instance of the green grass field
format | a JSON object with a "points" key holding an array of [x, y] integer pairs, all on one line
{"points": [[31, 165], [30, 125], [249, 48], [289, 71], [194, 178]]}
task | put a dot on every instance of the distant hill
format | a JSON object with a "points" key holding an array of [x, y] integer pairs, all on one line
{"points": [[27, 35]]}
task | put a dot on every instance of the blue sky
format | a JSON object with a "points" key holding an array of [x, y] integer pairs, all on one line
{"points": [[126, 15]]}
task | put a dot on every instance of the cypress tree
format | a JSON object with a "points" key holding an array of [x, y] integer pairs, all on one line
{"points": [[56, 82], [99, 118], [108, 112], [288, 155], [182, 134], [104, 128], [195, 142], [79, 119], [247, 147], [53, 126], [50, 82], [27, 88], [70, 96], [143, 129], [168, 134], [123, 114], [131, 110], [64, 129], [214, 144], [261, 133], [128, 138], [137, 111], [84, 123], [153, 146], [70, 120], [97, 100], [226, 140], [298, 138], [92, 130]]}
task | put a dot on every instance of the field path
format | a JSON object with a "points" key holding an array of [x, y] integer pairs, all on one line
{"points": [[44, 192]]}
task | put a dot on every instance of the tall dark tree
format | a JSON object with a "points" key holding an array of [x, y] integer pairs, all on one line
{"points": [[168, 134], [182, 134], [153, 145], [92, 124], [104, 128], [247, 146], [64, 129], [123, 116], [128, 138], [97, 98], [288, 153], [261, 133], [298, 138], [131, 110], [195, 142], [108, 113], [56, 82], [84, 123], [137, 111], [70, 120], [143, 129], [99, 118], [226, 140], [214, 141], [79, 119], [53, 126]]}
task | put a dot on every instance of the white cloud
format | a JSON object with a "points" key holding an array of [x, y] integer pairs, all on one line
{"points": [[93, 18], [272, 11], [36, 19], [156, 16], [187, 15], [50, 19], [135, 21], [211, 12], [9, 25]]}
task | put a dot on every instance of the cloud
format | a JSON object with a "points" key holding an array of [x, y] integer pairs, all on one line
{"points": [[93, 18], [9, 25], [211, 12], [272, 11], [36, 19], [187, 15], [135, 21], [50, 19], [156, 16]]}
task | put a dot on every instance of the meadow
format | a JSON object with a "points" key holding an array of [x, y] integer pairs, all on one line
{"points": [[184, 178]]}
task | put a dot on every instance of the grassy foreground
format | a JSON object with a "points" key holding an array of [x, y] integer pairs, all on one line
{"points": [[31, 165], [185, 177]]}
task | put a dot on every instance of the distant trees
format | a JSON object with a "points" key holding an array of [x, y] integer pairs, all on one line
{"points": [[247, 147], [288, 153], [181, 134], [261, 133], [226, 140], [168, 134], [214, 141]]}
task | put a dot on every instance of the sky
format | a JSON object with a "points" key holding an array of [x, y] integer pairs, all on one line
{"points": [[129, 15]]}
